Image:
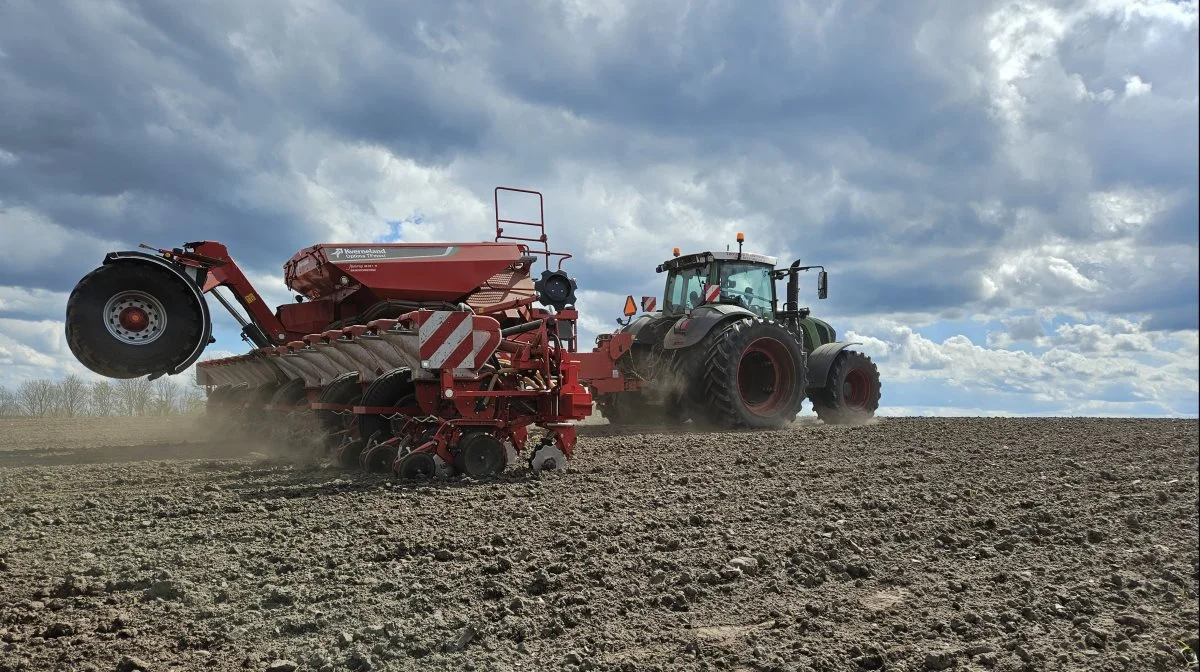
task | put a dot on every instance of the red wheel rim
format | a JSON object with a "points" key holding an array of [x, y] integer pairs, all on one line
{"points": [[765, 377], [856, 389], [133, 319]]}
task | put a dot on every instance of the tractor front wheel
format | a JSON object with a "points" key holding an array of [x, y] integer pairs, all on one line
{"points": [[754, 375], [851, 394]]}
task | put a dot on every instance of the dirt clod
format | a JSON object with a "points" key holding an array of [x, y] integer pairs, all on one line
{"points": [[131, 664]]}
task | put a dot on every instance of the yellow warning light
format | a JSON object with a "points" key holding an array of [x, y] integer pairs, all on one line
{"points": [[630, 306], [741, 237], [675, 251]]}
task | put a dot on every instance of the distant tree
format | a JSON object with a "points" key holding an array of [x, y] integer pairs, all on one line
{"points": [[70, 396], [103, 402], [133, 396], [36, 397], [9, 406], [192, 399], [164, 396], [73, 397]]}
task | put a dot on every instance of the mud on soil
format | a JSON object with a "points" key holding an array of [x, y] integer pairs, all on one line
{"points": [[1006, 544]]}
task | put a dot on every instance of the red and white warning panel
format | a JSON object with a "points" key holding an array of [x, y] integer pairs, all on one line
{"points": [[455, 339], [712, 293], [649, 303]]}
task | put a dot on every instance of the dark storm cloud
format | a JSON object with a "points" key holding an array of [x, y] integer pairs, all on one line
{"points": [[147, 104], [715, 68], [863, 136]]}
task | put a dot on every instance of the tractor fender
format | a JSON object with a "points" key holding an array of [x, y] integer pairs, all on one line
{"points": [[691, 329], [192, 278], [635, 327], [821, 359]]}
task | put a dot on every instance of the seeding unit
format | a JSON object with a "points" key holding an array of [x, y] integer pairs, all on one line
{"points": [[428, 358]]}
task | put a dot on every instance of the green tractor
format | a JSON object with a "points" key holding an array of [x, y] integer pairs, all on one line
{"points": [[721, 352]]}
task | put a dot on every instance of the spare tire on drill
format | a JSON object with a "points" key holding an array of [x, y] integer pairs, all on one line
{"points": [[133, 318]]}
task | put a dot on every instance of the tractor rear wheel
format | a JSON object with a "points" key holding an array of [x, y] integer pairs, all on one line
{"points": [[851, 394], [634, 409], [754, 375], [132, 319]]}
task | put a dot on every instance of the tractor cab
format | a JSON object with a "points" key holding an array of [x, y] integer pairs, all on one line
{"points": [[740, 279], [705, 289]]}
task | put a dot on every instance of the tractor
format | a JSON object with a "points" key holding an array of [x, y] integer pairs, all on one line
{"points": [[721, 352]]}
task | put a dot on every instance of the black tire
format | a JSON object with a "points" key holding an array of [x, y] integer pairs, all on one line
{"points": [[852, 390], [754, 374], [377, 460], [276, 423], [254, 417], [686, 376], [387, 390], [610, 409], [347, 454], [96, 347], [217, 416], [632, 409], [233, 403], [214, 404], [415, 467], [479, 455], [291, 393], [345, 390]]}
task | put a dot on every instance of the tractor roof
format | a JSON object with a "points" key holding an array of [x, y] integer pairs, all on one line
{"points": [[706, 257]]}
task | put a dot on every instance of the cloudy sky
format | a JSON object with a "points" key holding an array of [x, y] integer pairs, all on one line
{"points": [[1005, 193]]}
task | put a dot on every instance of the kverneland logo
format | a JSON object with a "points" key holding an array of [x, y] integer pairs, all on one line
{"points": [[358, 252]]}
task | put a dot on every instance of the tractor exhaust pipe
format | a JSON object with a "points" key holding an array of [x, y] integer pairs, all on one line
{"points": [[793, 288]]}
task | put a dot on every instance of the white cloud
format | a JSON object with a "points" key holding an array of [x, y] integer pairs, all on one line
{"points": [[32, 302], [1125, 211], [1082, 362], [1134, 87], [34, 244]]}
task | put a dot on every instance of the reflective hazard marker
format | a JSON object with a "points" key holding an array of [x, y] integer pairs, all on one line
{"points": [[630, 306]]}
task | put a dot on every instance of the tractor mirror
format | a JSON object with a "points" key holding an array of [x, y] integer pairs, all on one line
{"points": [[822, 285], [630, 307]]}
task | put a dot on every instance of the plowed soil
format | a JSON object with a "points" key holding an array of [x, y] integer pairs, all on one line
{"points": [[909, 544]]}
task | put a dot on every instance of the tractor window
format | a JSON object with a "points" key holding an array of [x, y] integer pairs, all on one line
{"points": [[748, 285], [685, 289]]}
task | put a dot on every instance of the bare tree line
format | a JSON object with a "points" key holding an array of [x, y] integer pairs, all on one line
{"points": [[73, 397]]}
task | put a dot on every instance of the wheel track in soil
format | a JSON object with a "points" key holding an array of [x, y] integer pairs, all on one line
{"points": [[1002, 544]]}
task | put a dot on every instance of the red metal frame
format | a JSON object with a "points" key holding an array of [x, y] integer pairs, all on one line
{"points": [[540, 379], [451, 405], [540, 224], [223, 271]]}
